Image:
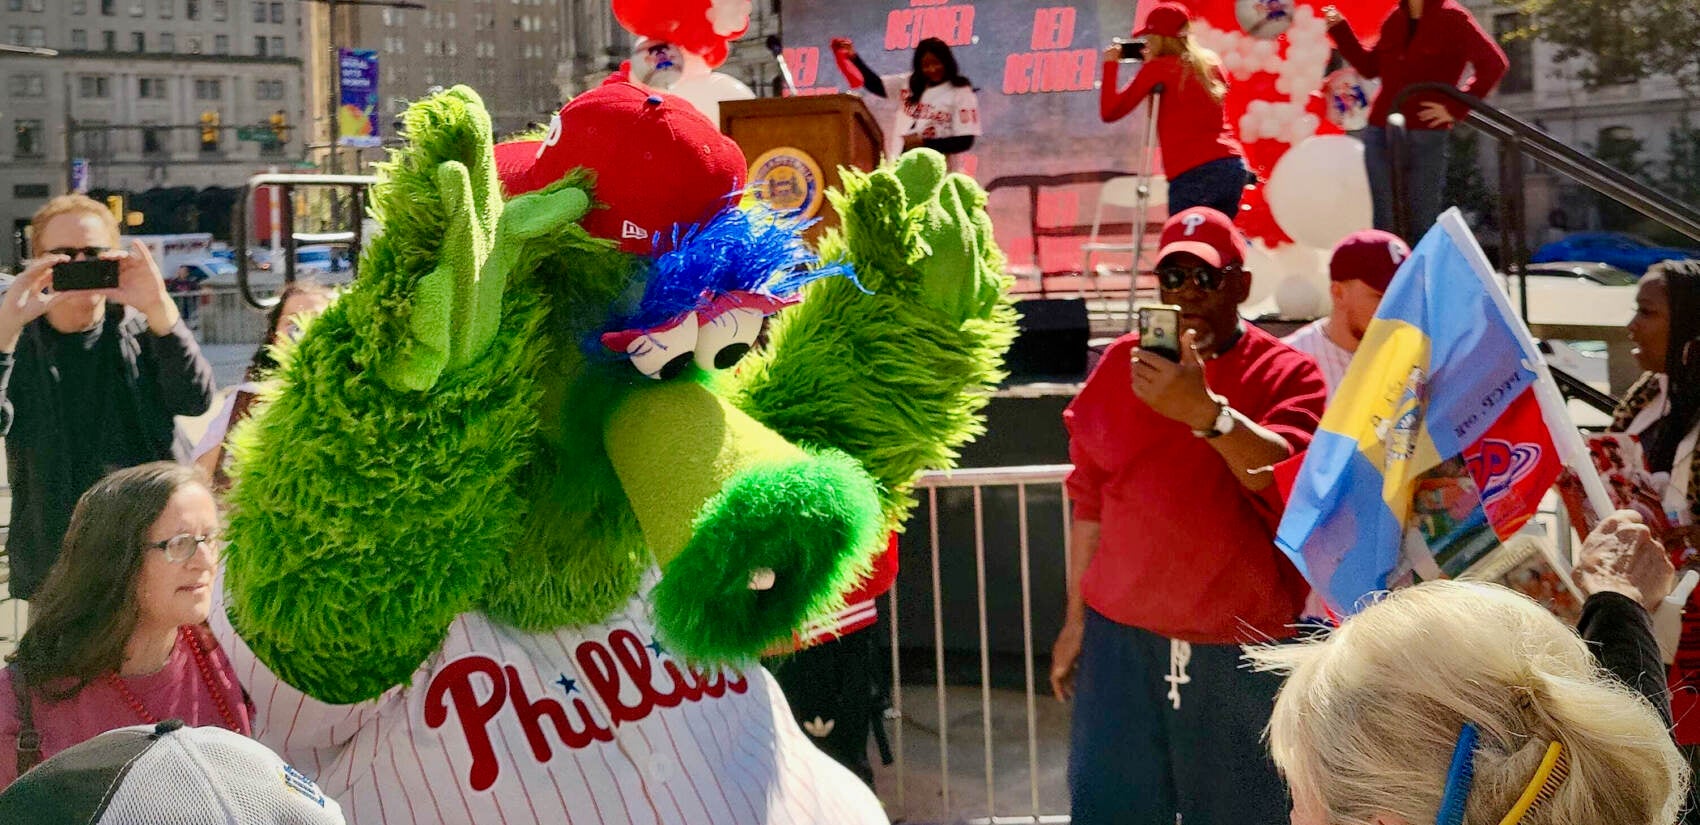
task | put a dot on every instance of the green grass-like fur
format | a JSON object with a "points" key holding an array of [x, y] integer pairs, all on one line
{"points": [[811, 522]]}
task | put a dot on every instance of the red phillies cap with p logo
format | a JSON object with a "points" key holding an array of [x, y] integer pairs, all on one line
{"points": [[1203, 232], [1369, 255], [658, 161], [1165, 20]]}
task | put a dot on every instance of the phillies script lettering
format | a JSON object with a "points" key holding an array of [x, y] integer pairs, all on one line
{"points": [[476, 689]]}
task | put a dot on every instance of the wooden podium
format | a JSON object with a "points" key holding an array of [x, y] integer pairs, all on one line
{"points": [[795, 146]]}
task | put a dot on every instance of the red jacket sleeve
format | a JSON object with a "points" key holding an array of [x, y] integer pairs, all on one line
{"points": [[1299, 397], [1366, 61], [1114, 103], [1486, 57]]}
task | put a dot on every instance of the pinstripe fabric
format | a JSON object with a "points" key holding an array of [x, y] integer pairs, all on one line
{"points": [[1312, 339], [585, 725]]}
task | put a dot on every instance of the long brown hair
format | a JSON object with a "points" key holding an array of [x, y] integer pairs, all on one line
{"points": [[264, 363], [86, 611], [1203, 63]]}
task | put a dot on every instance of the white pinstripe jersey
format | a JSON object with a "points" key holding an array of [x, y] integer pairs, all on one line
{"points": [[586, 725], [1312, 339]]}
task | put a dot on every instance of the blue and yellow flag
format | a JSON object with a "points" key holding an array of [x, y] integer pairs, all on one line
{"points": [[1445, 372]]}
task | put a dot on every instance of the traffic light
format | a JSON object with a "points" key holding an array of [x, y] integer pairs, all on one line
{"points": [[280, 127], [209, 131], [115, 203]]}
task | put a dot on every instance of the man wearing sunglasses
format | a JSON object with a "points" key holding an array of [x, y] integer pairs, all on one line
{"points": [[1173, 560], [89, 379]]}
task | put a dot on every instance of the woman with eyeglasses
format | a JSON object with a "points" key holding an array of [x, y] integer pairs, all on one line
{"points": [[118, 633]]}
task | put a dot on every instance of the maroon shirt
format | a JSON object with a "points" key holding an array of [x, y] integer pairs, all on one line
{"points": [[1447, 38], [175, 692], [1185, 550]]}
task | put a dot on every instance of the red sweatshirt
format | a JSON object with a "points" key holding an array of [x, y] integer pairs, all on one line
{"points": [[1185, 551], [1446, 39], [1192, 127]]}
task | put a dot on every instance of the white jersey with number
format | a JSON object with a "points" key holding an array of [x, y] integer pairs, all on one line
{"points": [[944, 111], [585, 725]]}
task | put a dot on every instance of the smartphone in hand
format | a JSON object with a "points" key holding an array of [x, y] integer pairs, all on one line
{"points": [[1160, 330], [1131, 50], [87, 274]]}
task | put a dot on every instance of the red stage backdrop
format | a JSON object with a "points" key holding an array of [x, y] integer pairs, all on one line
{"points": [[1035, 66]]}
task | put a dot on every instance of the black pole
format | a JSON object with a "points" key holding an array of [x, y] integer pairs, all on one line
{"points": [[1398, 153]]}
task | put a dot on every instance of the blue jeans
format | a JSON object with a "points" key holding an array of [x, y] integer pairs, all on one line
{"points": [[1136, 759], [1217, 184], [1425, 176]]}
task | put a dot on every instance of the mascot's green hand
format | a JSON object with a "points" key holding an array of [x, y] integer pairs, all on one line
{"points": [[534, 217], [954, 232]]}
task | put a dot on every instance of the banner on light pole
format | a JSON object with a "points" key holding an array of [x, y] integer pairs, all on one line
{"points": [[357, 109]]}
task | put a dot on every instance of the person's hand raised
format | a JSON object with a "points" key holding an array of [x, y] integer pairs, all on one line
{"points": [[1176, 391], [1621, 556], [1332, 16], [28, 298]]}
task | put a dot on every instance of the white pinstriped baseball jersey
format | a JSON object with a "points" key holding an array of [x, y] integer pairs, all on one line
{"points": [[586, 725], [1312, 339]]}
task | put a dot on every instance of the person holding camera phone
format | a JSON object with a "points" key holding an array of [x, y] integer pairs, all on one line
{"points": [[86, 387], [1202, 158], [935, 105], [1173, 561]]}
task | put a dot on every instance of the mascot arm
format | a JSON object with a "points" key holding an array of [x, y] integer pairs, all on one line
{"points": [[374, 491], [896, 379]]}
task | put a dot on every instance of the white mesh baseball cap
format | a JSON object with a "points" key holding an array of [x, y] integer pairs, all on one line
{"points": [[167, 773]]}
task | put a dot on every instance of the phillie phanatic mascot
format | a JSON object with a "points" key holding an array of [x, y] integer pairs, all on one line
{"points": [[585, 437]]}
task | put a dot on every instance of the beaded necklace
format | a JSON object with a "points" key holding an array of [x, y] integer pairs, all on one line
{"points": [[201, 664]]}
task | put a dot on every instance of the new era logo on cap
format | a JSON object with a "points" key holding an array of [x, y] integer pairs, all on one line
{"points": [[631, 231]]}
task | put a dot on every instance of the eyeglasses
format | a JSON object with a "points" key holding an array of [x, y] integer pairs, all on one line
{"points": [[1208, 278], [76, 253], [180, 547]]}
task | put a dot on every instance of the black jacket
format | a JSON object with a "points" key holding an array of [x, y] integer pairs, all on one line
{"points": [[1621, 634], [153, 379]]}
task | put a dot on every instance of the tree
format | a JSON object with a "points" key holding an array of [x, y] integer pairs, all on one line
{"points": [[1618, 41], [1465, 187], [1620, 149], [1682, 167]]}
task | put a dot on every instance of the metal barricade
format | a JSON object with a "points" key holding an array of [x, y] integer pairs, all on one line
{"points": [[1021, 807]]}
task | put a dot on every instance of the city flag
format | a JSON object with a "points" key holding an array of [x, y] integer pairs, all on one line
{"points": [[1446, 374]]}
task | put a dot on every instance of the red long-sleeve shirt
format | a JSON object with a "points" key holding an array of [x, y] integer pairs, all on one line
{"points": [[1192, 127], [1446, 38], [1184, 549]]}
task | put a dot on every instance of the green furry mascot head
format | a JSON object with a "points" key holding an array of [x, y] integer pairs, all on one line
{"points": [[542, 386]]}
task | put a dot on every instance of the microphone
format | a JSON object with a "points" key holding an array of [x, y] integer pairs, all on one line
{"points": [[778, 50]]}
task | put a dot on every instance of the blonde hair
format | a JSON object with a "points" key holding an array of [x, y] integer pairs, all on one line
{"points": [[67, 205], [1204, 64], [1367, 720]]}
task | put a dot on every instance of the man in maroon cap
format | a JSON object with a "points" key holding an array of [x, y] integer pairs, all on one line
{"points": [[1359, 271], [1174, 564]]}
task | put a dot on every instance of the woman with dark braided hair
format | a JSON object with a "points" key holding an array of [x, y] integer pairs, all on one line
{"points": [[1663, 410]]}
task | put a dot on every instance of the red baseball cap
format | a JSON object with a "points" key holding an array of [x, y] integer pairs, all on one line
{"points": [[1370, 255], [1165, 20], [658, 162], [1204, 232]]}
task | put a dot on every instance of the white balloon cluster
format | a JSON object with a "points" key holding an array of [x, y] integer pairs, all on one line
{"points": [[1298, 73]]}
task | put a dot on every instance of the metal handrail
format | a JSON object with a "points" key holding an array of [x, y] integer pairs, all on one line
{"points": [[991, 476], [1516, 138]]}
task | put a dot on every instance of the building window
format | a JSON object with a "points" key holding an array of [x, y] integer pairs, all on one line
{"points": [[15, 35], [150, 88], [79, 6], [221, 44], [268, 89], [27, 85], [138, 42], [94, 86], [209, 89], [260, 45], [277, 47], [259, 11], [93, 144], [79, 40], [192, 9], [194, 45], [153, 141], [1520, 75], [28, 142], [277, 12], [220, 9], [14, 5], [108, 7], [167, 8], [109, 41], [138, 8], [167, 42], [24, 191]]}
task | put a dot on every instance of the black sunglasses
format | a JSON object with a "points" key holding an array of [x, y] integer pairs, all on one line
{"points": [[80, 252], [1208, 278]]}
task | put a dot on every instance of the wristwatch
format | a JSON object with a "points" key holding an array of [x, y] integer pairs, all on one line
{"points": [[1224, 421]]}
